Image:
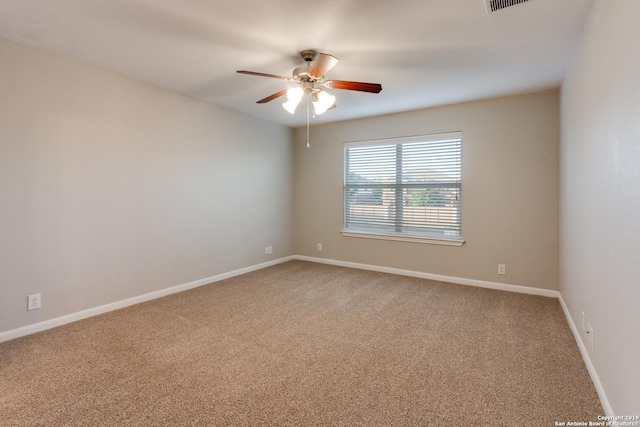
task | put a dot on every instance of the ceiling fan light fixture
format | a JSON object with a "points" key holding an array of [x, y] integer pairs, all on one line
{"points": [[322, 101], [310, 77], [294, 95]]}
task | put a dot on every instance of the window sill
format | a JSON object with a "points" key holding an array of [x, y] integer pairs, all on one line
{"points": [[404, 238]]}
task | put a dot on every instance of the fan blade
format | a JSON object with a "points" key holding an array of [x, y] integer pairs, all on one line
{"points": [[359, 86], [273, 76], [323, 63], [272, 97]]}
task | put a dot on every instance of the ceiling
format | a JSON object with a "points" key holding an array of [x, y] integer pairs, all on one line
{"points": [[424, 52]]}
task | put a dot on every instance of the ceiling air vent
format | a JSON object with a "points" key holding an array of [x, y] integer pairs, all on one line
{"points": [[496, 5]]}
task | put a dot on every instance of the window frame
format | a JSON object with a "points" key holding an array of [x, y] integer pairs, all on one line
{"points": [[405, 236]]}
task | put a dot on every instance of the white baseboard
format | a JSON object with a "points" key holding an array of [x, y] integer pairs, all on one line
{"points": [[59, 321], [451, 279], [587, 361]]}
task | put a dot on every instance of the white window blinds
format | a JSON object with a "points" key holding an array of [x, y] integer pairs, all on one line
{"points": [[404, 186]]}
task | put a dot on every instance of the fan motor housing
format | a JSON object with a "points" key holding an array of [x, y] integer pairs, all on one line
{"points": [[301, 73]]}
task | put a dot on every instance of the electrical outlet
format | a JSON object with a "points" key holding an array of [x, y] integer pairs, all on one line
{"points": [[502, 269], [590, 335], [319, 247], [584, 322], [34, 301], [268, 250]]}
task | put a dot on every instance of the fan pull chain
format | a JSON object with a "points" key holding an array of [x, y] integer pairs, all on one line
{"points": [[308, 108]]}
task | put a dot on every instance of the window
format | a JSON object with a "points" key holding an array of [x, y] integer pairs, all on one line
{"points": [[404, 189]]}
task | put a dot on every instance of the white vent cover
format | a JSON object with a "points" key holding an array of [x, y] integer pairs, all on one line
{"points": [[496, 5]]}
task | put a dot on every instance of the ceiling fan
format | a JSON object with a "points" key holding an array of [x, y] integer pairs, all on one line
{"points": [[310, 79]]}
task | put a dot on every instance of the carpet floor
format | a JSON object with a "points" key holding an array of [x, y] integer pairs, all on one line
{"points": [[305, 344]]}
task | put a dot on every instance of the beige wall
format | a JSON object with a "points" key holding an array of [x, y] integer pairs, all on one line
{"points": [[600, 196], [510, 191], [111, 188]]}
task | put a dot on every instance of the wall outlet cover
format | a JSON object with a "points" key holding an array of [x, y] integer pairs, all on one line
{"points": [[34, 301], [502, 269]]}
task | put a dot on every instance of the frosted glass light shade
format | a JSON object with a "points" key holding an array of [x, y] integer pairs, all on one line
{"points": [[294, 95], [323, 102]]}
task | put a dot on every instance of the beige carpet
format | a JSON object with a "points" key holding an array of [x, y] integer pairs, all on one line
{"points": [[305, 344]]}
